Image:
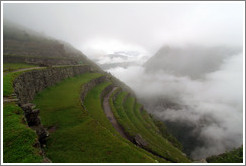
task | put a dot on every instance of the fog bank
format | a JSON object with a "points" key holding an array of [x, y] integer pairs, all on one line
{"points": [[212, 104]]}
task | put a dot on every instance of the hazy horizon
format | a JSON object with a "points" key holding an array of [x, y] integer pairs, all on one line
{"points": [[99, 28]]}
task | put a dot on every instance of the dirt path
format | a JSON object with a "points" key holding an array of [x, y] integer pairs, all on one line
{"points": [[112, 119], [6, 99], [32, 68], [110, 115], [25, 69]]}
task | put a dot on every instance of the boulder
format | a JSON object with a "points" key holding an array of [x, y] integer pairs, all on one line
{"points": [[140, 141]]}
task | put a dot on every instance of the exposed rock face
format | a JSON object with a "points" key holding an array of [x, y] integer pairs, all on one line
{"points": [[33, 121], [140, 141], [31, 114], [28, 84]]}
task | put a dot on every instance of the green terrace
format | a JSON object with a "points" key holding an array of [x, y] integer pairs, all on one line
{"points": [[137, 124], [83, 136], [79, 130]]}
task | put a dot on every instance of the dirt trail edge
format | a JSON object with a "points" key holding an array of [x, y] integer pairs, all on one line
{"points": [[112, 119], [110, 115]]}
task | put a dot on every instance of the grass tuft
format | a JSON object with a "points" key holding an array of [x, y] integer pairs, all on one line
{"points": [[8, 83], [18, 138]]}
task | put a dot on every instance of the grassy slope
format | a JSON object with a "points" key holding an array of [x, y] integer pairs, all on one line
{"points": [[16, 66], [126, 117], [154, 126], [151, 138], [96, 111], [18, 138], [164, 132], [8, 82], [78, 136], [58, 120], [121, 116], [234, 156]]}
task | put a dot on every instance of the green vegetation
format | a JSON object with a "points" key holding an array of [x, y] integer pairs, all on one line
{"points": [[95, 109], [15, 66], [18, 138], [8, 79], [234, 156], [164, 132], [22, 44], [120, 121], [76, 135], [128, 115], [8, 82]]}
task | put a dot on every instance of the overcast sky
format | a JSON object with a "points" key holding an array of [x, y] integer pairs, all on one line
{"points": [[143, 27]]}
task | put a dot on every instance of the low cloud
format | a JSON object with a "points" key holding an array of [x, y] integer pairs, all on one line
{"points": [[212, 104]]}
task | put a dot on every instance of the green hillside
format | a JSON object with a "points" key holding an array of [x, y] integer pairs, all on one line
{"points": [[69, 113], [18, 139], [127, 112], [233, 156], [85, 135], [78, 132]]}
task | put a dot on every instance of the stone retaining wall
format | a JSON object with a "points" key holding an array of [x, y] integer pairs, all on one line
{"points": [[116, 94], [126, 96], [28, 84], [88, 86], [106, 91]]}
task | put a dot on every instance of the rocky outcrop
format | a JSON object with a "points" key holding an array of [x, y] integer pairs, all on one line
{"points": [[138, 140], [28, 84], [31, 114], [33, 121]]}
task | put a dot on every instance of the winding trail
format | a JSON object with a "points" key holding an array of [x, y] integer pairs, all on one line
{"points": [[110, 115], [23, 69], [112, 119], [32, 68]]}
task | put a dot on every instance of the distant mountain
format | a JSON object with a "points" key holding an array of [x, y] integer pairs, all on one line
{"points": [[25, 45], [194, 62], [190, 61], [119, 59], [117, 56], [107, 66]]}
